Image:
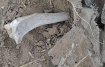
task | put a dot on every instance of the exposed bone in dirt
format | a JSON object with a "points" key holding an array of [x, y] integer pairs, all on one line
{"points": [[88, 51], [21, 26]]}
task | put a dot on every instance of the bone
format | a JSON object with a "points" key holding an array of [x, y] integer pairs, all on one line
{"points": [[22, 25]]}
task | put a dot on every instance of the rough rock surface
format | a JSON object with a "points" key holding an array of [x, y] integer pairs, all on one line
{"points": [[91, 30], [73, 46], [103, 15], [103, 36]]}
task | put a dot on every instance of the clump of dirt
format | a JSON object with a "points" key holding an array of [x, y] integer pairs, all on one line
{"points": [[36, 43]]}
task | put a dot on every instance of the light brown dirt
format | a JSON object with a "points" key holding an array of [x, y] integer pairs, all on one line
{"points": [[36, 43]]}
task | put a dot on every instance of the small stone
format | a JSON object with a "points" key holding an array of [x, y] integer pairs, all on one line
{"points": [[43, 50], [2, 7], [18, 47], [42, 58], [48, 41], [2, 44], [21, 10], [40, 43]]}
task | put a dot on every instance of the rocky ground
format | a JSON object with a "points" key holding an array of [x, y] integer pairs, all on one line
{"points": [[77, 42]]}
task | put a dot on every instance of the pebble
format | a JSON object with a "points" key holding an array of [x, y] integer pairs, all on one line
{"points": [[2, 44], [18, 47]]}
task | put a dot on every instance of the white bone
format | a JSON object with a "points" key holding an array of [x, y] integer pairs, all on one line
{"points": [[22, 25]]}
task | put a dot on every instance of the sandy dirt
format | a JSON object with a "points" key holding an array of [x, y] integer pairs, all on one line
{"points": [[36, 43]]}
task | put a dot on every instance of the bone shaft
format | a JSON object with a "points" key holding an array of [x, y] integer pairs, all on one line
{"points": [[39, 19]]}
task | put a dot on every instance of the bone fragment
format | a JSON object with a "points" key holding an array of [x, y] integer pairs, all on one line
{"points": [[22, 25]]}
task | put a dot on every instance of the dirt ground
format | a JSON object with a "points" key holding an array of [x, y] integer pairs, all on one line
{"points": [[36, 43]]}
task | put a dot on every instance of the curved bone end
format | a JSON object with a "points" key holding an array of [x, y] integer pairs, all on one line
{"points": [[8, 28], [11, 30]]}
